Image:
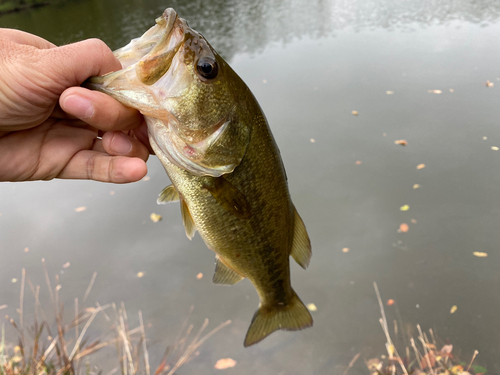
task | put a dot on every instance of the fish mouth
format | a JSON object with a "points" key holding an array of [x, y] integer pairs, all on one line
{"points": [[158, 40]]}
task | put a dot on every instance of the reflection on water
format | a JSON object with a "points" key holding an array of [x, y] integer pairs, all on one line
{"points": [[309, 64], [234, 26]]}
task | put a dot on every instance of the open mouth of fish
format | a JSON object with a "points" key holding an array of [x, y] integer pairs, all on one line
{"points": [[152, 67]]}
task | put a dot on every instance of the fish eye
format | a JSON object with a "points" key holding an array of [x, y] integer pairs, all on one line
{"points": [[207, 67]]}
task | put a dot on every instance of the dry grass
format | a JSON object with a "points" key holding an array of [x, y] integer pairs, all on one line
{"points": [[66, 349], [421, 356]]}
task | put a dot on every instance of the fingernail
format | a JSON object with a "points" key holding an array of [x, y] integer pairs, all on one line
{"points": [[120, 143], [78, 106]]}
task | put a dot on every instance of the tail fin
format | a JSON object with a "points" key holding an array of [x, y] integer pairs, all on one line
{"points": [[292, 317]]}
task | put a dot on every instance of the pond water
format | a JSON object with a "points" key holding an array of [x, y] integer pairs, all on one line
{"points": [[310, 64]]}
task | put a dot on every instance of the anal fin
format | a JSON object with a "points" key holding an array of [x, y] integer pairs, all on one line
{"points": [[169, 194], [301, 247], [224, 275], [187, 220]]}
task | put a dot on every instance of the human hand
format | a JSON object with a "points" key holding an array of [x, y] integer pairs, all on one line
{"points": [[51, 128]]}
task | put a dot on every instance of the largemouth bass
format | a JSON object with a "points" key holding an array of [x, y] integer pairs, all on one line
{"points": [[214, 142]]}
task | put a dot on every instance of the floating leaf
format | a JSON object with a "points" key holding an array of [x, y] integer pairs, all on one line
{"points": [[80, 209], [225, 363], [494, 148], [434, 91], [451, 90], [312, 307], [66, 265], [489, 84], [389, 92], [480, 254], [420, 166], [199, 276], [312, 140], [403, 228], [355, 113], [26, 249], [140, 274], [155, 217], [404, 208], [358, 162], [453, 309], [390, 302], [416, 186], [345, 250], [401, 142]]}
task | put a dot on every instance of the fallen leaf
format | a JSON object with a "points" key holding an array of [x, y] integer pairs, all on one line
{"points": [[414, 221], [480, 254], [3, 307], [420, 166], [401, 142], [358, 162], [14, 280], [140, 274], [404, 208], [416, 186], [155, 217], [403, 228], [111, 192], [345, 250], [312, 140], [355, 113], [26, 249], [389, 92], [434, 91], [80, 209], [451, 90], [494, 148], [489, 84], [225, 363], [485, 138], [146, 178], [390, 302], [66, 265], [199, 276], [453, 309]]}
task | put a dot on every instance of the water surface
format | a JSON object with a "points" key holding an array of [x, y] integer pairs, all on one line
{"points": [[310, 64]]}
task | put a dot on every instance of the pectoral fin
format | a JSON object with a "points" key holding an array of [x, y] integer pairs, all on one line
{"points": [[224, 275], [187, 220], [169, 194], [301, 247], [229, 197]]}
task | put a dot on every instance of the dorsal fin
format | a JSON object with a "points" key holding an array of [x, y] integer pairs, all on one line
{"points": [[224, 275], [229, 197], [301, 247], [187, 220], [169, 194]]}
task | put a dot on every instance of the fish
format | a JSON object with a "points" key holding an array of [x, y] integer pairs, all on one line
{"points": [[212, 138]]}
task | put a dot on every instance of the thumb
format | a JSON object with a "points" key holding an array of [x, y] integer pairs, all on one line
{"points": [[74, 63]]}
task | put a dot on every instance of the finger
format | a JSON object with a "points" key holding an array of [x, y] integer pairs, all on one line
{"points": [[22, 37], [76, 62], [141, 133], [99, 110], [98, 146], [93, 165], [119, 144]]}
